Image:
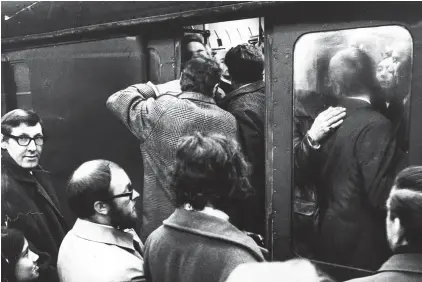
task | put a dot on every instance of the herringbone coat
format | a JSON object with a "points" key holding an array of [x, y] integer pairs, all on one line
{"points": [[159, 122]]}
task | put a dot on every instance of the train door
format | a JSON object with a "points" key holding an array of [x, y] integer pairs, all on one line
{"points": [[298, 71]]}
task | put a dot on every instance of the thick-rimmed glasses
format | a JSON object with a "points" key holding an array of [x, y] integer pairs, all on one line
{"points": [[127, 194], [24, 140]]}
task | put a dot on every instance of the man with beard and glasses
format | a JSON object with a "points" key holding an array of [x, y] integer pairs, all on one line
{"points": [[102, 245]]}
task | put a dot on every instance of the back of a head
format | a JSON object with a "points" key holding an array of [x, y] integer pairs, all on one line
{"points": [[188, 38], [405, 203], [16, 117], [89, 183], [352, 72], [200, 75], [245, 63], [209, 169], [295, 270]]}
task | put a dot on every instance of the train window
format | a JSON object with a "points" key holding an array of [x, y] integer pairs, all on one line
{"points": [[23, 89], [351, 117]]}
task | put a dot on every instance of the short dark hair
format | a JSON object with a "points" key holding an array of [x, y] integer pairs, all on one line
{"points": [[200, 75], [405, 203], [15, 118], [245, 63], [210, 168], [89, 183]]}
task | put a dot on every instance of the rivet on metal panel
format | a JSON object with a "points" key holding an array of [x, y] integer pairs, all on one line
{"points": [[275, 79], [275, 103], [287, 56], [275, 124], [172, 65]]}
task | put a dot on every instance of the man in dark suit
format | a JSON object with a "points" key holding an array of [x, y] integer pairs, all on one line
{"points": [[356, 168], [245, 64], [404, 230], [29, 201]]}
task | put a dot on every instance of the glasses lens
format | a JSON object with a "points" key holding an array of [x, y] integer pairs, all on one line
{"points": [[39, 140], [23, 141]]}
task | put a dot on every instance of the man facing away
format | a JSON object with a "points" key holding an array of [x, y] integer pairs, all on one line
{"points": [[404, 230], [356, 168], [245, 65], [29, 201], [159, 122], [101, 245], [197, 242]]}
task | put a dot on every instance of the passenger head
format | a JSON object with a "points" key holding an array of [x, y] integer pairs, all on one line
{"points": [[101, 191], [386, 73], [193, 47], [402, 60], [245, 63], [404, 209], [219, 58], [351, 71], [210, 171], [295, 270], [200, 75], [22, 137], [19, 263]]}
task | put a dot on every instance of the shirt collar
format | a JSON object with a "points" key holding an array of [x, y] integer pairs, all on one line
{"points": [[210, 211], [361, 98], [103, 234], [247, 88]]}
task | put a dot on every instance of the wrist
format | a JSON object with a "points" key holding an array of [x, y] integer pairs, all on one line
{"points": [[311, 141]]}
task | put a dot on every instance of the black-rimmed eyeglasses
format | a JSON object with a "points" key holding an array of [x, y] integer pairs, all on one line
{"points": [[24, 140], [127, 194]]}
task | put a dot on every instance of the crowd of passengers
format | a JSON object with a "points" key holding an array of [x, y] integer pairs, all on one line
{"points": [[203, 208]]}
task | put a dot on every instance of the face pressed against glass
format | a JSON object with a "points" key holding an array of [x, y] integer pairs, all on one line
{"points": [[26, 267], [25, 156], [344, 57]]}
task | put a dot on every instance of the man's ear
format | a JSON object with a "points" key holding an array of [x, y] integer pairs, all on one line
{"points": [[214, 90], [101, 208], [399, 230], [3, 142]]}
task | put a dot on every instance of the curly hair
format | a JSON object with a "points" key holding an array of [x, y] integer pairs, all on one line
{"points": [[210, 169], [200, 75]]}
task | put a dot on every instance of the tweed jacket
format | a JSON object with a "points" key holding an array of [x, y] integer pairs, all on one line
{"points": [[401, 267], [159, 122], [247, 104], [95, 252], [29, 204], [193, 246]]}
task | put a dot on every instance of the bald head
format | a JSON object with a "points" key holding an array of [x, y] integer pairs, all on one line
{"points": [[89, 183], [351, 72]]}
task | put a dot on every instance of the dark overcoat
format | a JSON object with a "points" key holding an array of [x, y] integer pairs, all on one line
{"points": [[29, 204], [194, 246], [357, 167], [247, 104]]}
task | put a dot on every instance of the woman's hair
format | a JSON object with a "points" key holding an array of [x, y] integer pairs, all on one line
{"points": [[210, 168], [12, 242]]}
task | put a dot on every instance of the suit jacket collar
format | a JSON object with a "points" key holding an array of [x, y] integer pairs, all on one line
{"points": [[250, 88], [195, 96], [104, 234], [354, 104], [212, 227], [409, 262]]}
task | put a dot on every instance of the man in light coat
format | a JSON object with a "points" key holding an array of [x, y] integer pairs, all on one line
{"points": [[102, 245]]}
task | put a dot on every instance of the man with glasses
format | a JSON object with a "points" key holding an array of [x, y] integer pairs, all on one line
{"points": [[29, 201], [102, 245]]}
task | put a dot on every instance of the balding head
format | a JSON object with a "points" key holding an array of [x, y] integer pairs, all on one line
{"points": [[352, 72], [89, 183]]}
